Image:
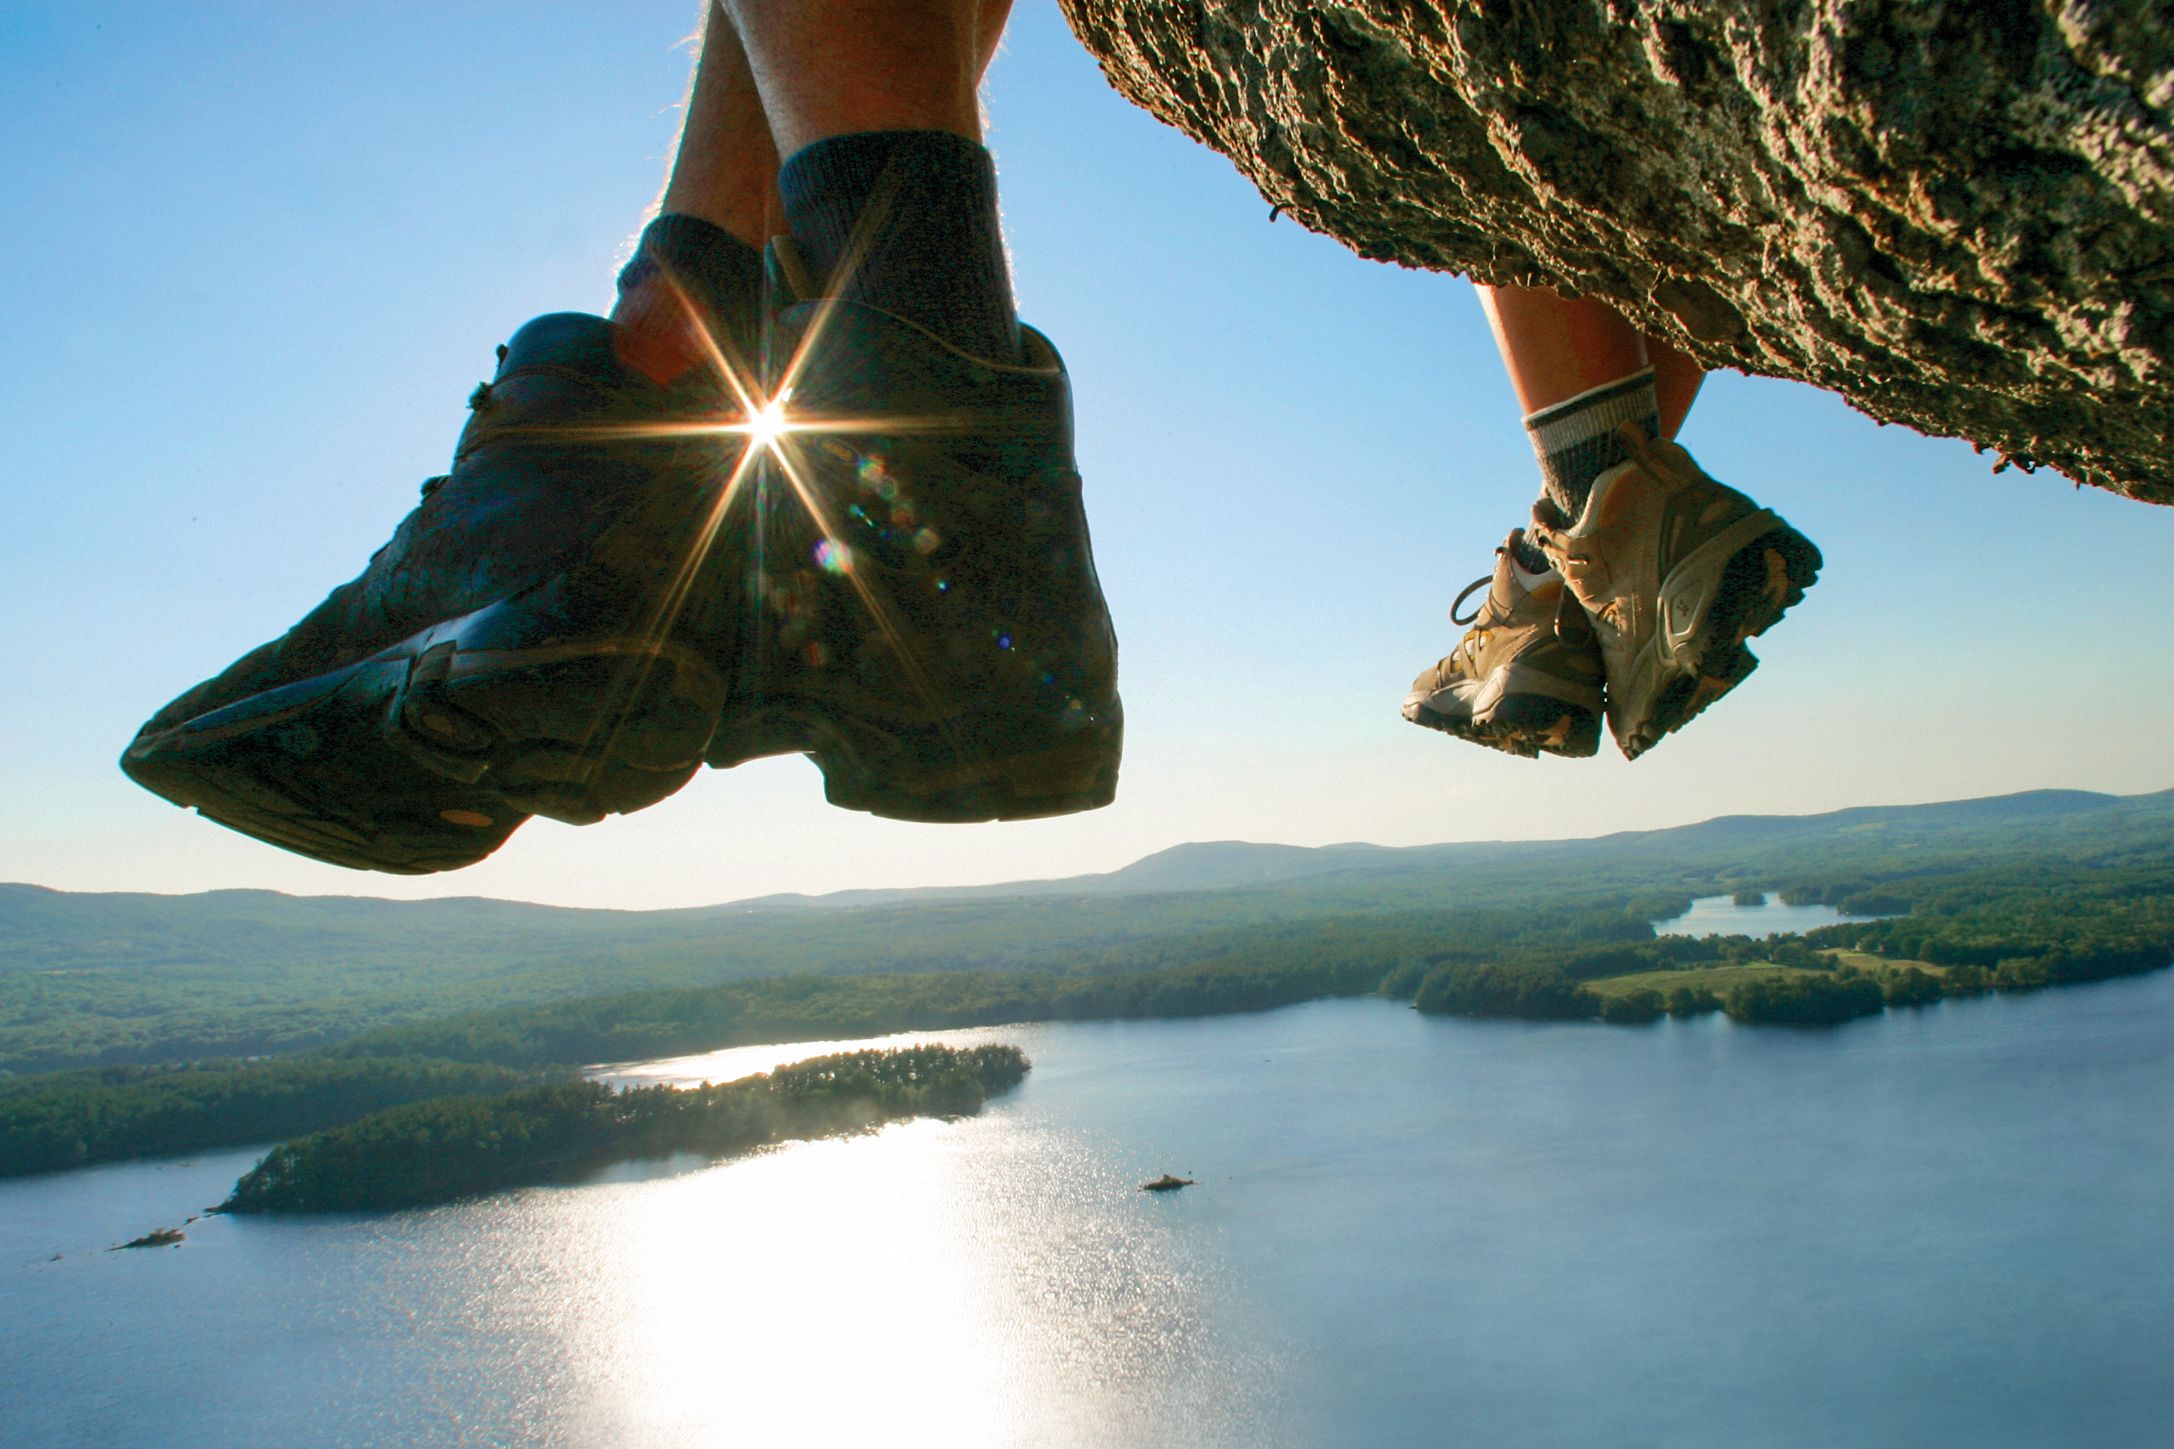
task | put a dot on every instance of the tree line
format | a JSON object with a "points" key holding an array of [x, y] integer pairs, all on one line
{"points": [[78, 1119], [2003, 926], [2004, 930], [452, 1147]]}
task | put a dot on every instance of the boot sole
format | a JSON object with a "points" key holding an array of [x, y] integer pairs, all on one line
{"points": [[1522, 724], [1700, 643], [1516, 710], [426, 756]]}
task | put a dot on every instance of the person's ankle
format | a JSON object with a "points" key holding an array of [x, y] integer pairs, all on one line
{"points": [[1577, 440], [656, 335], [906, 221], [691, 291]]}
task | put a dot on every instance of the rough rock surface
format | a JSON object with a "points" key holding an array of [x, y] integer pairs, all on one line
{"points": [[1959, 214]]}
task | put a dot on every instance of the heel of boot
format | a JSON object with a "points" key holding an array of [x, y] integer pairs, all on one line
{"points": [[1710, 619], [1764, 580], [942, 780], [1533, 724]]}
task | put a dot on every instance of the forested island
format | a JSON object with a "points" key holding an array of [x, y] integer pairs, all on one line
{"points": [[2002, 896], [453, 1147]]}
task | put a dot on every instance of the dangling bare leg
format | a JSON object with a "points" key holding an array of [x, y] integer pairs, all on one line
{"points": [[1676, 379], [888, 195], [1556, 347], [1580, 372], [725, 169], [719, 208], [868, 65]]}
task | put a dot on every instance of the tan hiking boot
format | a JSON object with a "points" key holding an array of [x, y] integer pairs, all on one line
{"points": [[1676, 572], [1526, 677]]}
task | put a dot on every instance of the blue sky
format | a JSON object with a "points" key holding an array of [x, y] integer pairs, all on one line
{"points": [[259, 254]]}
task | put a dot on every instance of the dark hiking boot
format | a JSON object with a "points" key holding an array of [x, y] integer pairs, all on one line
{"points": [[531, 641], [1677, 571], [925, 619], [1526, 677]]}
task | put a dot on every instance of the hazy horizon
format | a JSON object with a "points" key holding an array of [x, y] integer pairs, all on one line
{"points": [[817, 894]]}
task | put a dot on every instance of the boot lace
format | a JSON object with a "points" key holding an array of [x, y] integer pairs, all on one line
{"points": [[1469, 590]]}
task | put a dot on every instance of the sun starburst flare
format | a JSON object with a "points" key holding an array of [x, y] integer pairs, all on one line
{"points": [[768, 423], [771, 430]]}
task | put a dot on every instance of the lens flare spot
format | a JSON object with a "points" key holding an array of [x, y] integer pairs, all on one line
{"points": [[767, 424], [833, 557]]}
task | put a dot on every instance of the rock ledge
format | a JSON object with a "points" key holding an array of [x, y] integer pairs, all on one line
{"points": [[1959, 214]]}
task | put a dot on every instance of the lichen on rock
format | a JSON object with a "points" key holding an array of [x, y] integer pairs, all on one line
{"points": [[1958, 214]]}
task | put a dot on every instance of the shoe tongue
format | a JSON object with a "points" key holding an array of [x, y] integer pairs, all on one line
{"points": [[1512, 582], [1525, 579], [1502, 595]]}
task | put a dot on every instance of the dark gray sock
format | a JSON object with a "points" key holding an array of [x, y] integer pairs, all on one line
{"points": [[906, 221], [720, 273], [1576, 441]]}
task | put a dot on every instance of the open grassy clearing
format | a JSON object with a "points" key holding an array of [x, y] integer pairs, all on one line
{"points": [[1719, 979], [1716, 979], [1873, 965]]}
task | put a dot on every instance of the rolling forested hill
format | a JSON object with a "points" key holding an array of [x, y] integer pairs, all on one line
{"points": [[91, 979]]}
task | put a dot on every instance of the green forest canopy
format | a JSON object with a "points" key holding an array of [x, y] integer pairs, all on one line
{"points": [[1976, 919], [100, 980]]}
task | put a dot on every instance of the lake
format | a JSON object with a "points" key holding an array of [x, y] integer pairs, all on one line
{"points": [[1722, 916], [1944, 1226]]}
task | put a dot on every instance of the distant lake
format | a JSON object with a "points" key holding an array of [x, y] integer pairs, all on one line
{"points": [[1936, 1227], [1722, 916]]}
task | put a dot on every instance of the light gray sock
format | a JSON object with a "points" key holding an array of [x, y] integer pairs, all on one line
{"points": [[1576, 440]]}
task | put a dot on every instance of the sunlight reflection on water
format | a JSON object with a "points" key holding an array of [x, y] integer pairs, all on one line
{"points": [[736, 1062], [989, 1281]]}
